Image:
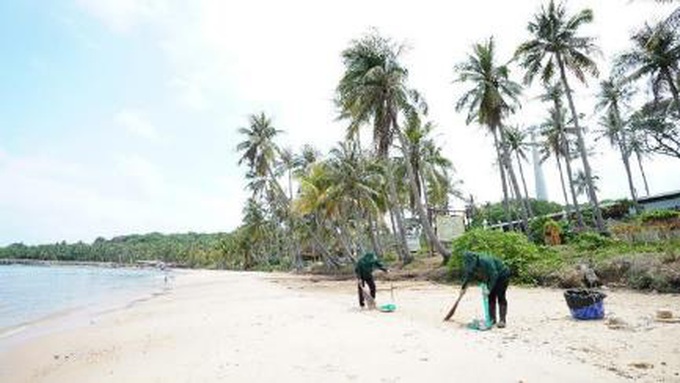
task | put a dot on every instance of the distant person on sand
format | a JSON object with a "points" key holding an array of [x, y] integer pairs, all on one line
{"points": [[492, 271], [364, 271]]}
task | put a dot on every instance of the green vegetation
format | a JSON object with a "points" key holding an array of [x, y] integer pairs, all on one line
{"points": [[514, 248], [188, 250]]}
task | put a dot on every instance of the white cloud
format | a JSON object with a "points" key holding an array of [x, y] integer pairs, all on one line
{"points": [[137, 124], [140, 176], [51, 199], [123, 16]]}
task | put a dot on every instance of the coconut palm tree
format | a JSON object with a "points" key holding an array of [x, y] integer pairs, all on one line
{"points": [[552, 146], [555, 48], [492, 97], [557, 140], [656, 55], [636, 145], [285, 166], [582, 183], [259, 153], [259, 149], [373, 90], [611, 98], [429, 165], [516, 142]]}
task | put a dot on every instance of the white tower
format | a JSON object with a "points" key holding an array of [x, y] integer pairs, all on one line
{"points": [[541, 191]]}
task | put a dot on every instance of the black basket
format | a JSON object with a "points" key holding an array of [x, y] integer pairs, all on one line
{"points": [[580, 298]]}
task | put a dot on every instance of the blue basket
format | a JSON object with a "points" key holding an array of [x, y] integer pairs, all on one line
{"points": [[585, 304], [594, 311]]}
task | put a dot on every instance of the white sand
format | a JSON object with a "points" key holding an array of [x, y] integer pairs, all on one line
{"points": [[248, 327]]}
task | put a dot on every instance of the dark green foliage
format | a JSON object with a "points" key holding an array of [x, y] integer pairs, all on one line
{"points": [[493, 213], [589, 240], [189, 250], [536, 229], [659, 215], [513, 248]]}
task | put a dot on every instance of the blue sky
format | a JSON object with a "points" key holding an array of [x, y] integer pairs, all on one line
{"points": [[120, 116]]}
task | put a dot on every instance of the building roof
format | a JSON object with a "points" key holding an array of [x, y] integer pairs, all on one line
{"points": [[660, 197]]}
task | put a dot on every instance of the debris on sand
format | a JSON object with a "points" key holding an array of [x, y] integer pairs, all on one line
{"points": [[616, 323], [641, 365], [666, 316]]}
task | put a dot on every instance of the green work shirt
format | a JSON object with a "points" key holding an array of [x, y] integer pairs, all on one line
{"points": [[483, 267], [366, 265]]}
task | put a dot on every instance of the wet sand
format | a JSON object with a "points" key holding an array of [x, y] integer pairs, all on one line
{"points": [[252, 327]]}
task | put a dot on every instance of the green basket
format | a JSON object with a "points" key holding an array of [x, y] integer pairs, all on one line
{"points": [[388, 308]]}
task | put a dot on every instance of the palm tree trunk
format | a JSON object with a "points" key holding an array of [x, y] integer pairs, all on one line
{"points": [[524, 184], [564, 148], [429, 232], [514, 184], [429, 215], [504, 184], [286, 204], [631, 187], [572, 187], [671, 84], [393, 202], [567, 207], [642, 171], [625, 156], [374, 234], [344, 240], [582, 148]]}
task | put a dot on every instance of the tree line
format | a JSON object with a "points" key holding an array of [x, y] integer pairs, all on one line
{"points": [[187, 250]]}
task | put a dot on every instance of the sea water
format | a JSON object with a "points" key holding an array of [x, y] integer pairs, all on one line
{"points": [[31, 293]]}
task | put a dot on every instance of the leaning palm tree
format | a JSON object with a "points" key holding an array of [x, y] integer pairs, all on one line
{"points": [[259, 149], [552, 146], [655, 54], [492, 97], [556, 46], [582, 183], [636, 145], [259, 153], [516, 142], [611, 98], [559, 141], [373, 90], [427, 160]]}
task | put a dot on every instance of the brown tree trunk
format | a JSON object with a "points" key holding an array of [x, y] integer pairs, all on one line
{"points": [[504, 184], [599, 222], [422, 214], [514, 184]]}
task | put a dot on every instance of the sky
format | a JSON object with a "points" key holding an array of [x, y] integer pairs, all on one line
{"points": [[121, 116]]}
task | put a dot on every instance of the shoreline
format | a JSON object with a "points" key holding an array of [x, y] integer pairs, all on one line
{"points": [[250, 326], [80, 313], [45, 262]]}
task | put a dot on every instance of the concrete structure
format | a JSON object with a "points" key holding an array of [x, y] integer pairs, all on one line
{"points": [[541, 190], [663, 201]]}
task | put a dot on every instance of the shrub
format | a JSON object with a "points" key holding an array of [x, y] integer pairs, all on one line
{"points": [[659, 215], [513, 248], [552, 233], [536, 228], [589, 241]]}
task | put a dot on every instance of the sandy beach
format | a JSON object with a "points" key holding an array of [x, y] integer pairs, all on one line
{"points": [[213, 326]]}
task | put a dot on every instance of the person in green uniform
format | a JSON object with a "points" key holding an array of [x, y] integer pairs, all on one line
{"points": [[492, 271], [364, 271]]}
